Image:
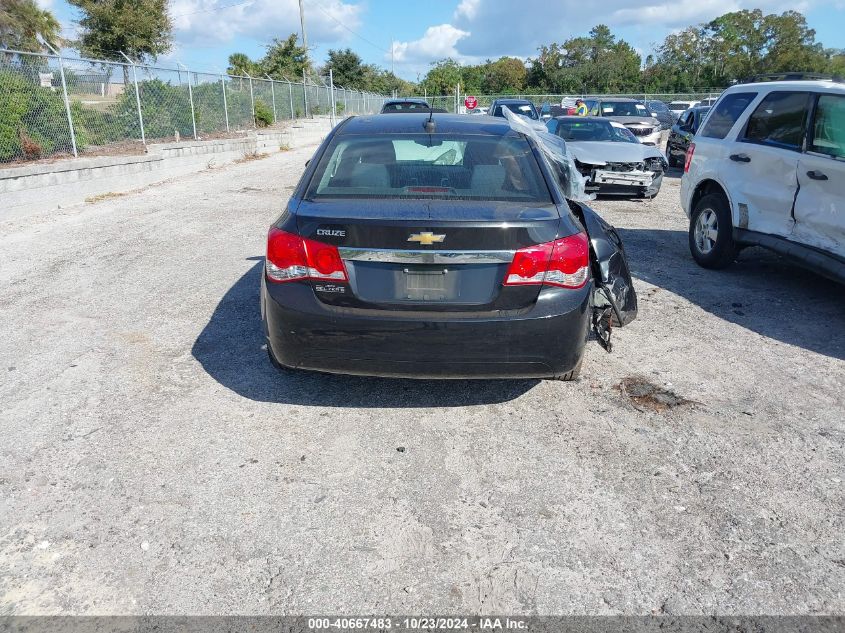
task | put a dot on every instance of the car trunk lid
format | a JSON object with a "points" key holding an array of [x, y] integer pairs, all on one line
{"points": [[427, 254]]}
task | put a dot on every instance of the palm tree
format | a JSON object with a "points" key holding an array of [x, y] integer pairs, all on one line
{"points": [[22, 23]]}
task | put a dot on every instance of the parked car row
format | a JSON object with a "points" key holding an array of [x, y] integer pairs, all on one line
{"points": [[411, 236]]}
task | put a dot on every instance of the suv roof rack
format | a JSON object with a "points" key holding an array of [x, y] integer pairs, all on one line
{"points": [[793, 76]]}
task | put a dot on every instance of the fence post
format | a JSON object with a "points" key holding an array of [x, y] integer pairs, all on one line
{"points": [[273, 94], [252, 100], [67, 101], [137, 96], [290, 96], [225, 105], [305, 93], [191, 97], [331, 94]]}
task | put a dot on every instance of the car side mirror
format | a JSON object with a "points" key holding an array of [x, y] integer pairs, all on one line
{"points": [[307, 162]]}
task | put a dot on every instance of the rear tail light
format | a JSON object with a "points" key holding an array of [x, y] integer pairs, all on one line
{"points": [[291, 257], [564, 263], [688, 159]]}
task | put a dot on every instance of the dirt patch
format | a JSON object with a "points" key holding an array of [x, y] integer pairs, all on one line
{"points": [[646, 396], [108, 196], [251, 156]]}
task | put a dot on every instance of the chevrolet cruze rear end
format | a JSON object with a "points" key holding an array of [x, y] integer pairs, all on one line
{"points": [[428, 251]]}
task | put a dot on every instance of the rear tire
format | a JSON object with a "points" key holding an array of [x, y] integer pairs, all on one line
{"points": [[571, 375], [274, 361], [711, 240]]}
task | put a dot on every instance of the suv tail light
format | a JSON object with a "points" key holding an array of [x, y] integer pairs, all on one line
{"points": [[291, 257], [564, 263], [688, 159]]}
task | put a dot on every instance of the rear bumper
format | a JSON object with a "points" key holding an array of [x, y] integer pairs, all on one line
{"points": [[543, 341]]}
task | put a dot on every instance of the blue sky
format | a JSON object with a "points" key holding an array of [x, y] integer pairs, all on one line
{"points": [[207, 31]]}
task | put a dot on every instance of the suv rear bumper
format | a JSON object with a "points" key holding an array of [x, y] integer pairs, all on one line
{"points": [[542, 341]]}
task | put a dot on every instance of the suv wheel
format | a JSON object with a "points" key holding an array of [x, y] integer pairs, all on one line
{"points": [[711, 232]]}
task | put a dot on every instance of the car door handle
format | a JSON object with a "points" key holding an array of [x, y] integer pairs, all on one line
{"points": [[817, 175], [740, 158]]}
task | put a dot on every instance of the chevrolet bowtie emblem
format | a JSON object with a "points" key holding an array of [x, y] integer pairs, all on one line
{"points": [[426, 238]]}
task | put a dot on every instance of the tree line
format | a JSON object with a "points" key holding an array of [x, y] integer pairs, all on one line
{"points": [[731, 48]]}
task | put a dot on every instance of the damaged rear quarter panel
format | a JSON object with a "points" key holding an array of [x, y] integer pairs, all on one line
{"points": [[610, 264]]}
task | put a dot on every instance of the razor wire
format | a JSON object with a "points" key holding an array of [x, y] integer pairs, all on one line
{"points": [[52, 105]]}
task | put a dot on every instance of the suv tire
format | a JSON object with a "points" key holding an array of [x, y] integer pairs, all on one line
{"points": [[711, 232]]}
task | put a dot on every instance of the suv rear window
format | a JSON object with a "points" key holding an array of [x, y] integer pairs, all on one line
{"points": [[623, 108], [780, 120], [525, 109], [461, 167], [726, 113], [406, 106]]}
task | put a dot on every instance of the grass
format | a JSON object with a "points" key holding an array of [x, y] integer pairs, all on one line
{"points": [[250, 156], [109, 195]]}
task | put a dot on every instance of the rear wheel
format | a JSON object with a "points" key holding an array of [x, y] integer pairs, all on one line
{"points": [[274, 361], [571, 375], [711, 232]]}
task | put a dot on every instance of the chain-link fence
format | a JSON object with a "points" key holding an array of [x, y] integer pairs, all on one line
{"points": [[455, 102], [51, 105]]}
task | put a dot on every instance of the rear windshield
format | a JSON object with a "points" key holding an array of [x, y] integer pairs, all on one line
{"points": [[525, 109], [591, 130], [623, 108], [406, 106], [414, 166]]}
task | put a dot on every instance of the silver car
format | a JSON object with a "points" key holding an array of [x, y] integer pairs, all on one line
{"points": [[610, 157], [631, 113]]}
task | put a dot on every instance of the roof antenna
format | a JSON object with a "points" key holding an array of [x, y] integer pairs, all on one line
{"points": [[429, 124]]}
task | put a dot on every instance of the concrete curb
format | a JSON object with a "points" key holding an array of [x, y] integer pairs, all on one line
{"points": [[70, 182]]}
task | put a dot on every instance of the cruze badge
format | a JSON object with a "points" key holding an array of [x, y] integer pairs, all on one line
{"points": [[426, 238]]}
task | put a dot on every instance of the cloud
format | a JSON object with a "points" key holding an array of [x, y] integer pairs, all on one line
{"points": [[674, 13], [503, 27], [212, 22], [437, 42], [467, 9]]}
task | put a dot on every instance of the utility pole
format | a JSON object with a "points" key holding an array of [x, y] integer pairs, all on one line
{"points": [[302, 23], [392, 69]]}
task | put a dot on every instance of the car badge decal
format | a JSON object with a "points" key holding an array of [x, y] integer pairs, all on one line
{"points": [[426, 238]]}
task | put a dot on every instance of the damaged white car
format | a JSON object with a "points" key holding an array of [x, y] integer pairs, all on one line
{"points": [[610, 156]]}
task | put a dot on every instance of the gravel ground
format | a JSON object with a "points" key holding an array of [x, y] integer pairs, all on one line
{"points": [[153, 462]]}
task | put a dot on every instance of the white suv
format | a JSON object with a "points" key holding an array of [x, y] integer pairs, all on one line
{"points": [[767, 168]]}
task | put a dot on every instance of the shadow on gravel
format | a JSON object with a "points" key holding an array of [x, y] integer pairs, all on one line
{"points": [[231, 349], [761, 291]]}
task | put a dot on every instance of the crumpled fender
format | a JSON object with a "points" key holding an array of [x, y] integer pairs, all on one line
{"points": [[609, 264]]}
